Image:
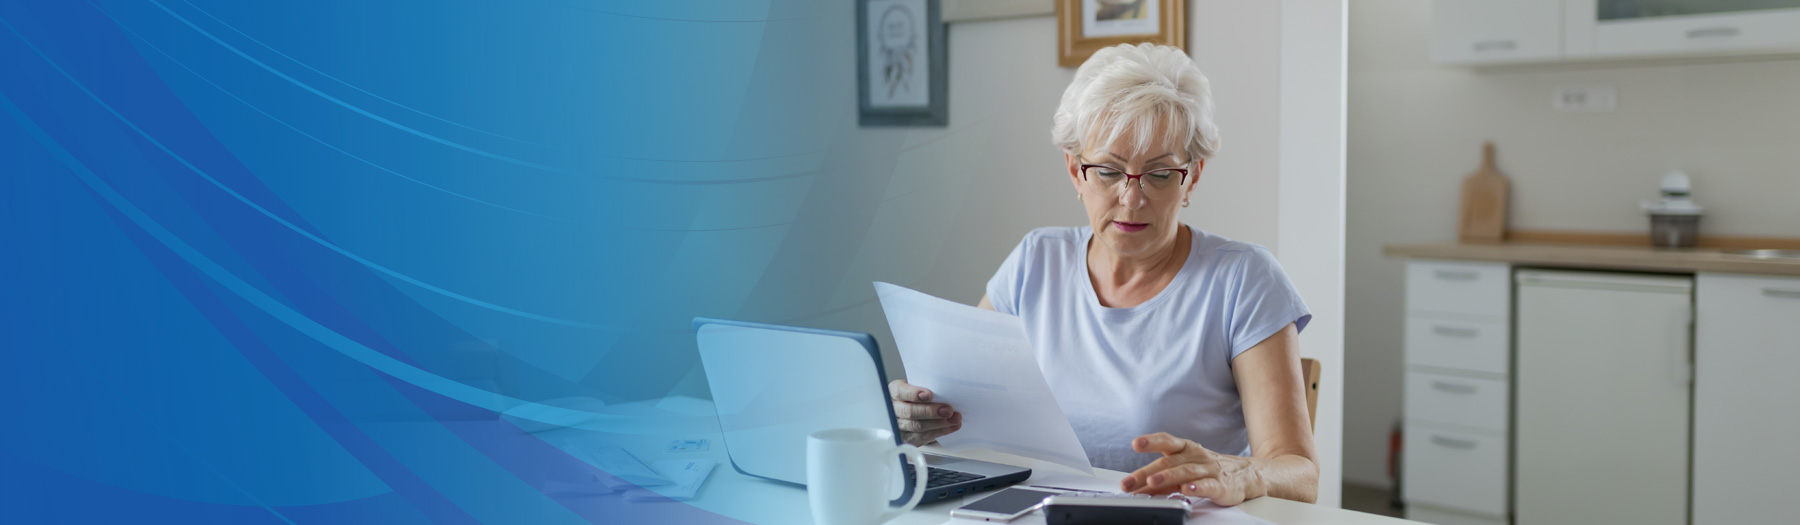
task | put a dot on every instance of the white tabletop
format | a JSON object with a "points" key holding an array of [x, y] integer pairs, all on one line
{"points": [[755, 500]]}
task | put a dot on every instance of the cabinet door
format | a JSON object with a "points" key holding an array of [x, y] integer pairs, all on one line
{"points": [[1747, 359], [1630, 28], [1602, 393], [1489, 31], [1455, 469]]}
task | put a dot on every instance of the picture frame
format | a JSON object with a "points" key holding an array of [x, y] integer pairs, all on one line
{"points": [[1085, 26], [902, 65]]}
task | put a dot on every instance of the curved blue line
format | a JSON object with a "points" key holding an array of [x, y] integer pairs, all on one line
{"points": [[306, 325], [228, 93], [277, 218], [349, 85], [347, 105]]}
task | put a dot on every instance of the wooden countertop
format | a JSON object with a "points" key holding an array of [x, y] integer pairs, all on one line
{"points": [[1638, 258]]}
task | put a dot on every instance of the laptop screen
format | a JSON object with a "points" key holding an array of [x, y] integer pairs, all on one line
{"points": [[775, 385]]}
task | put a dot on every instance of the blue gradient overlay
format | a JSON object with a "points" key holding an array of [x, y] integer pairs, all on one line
{"points": [[285, 261]]}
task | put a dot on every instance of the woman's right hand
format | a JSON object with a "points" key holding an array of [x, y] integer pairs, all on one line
{"points": [[921, 421]]}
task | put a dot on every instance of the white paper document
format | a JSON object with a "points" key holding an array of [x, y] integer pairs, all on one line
{"points": [[685, 477], [980, 362]]}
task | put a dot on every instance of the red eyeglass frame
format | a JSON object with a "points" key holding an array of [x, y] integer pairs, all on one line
{"points": [[1139, 177]]}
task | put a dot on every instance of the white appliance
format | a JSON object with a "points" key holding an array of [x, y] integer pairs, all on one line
{"points": [[1748, 341], [1603, 383]]}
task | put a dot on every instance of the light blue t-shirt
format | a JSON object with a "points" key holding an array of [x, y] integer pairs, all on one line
{"points": [[1160, 366]]}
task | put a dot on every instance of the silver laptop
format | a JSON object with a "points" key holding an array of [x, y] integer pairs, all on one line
{"points": [[773, 385]]}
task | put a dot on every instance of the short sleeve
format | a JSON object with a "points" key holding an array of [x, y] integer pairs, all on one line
{"points": [[1265, 301], [1004, 287]]}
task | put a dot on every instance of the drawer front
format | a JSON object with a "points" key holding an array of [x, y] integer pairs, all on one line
{"points": [[1463, 345], [1465, 288], [1456, 400], [1485, 31], [1455, 470], [1769, 30]]}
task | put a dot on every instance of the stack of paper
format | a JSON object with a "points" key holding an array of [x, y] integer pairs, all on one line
{"points": [[980, 362]]}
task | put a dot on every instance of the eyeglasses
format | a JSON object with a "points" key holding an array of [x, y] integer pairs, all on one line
{"points": [[1156, 184]]}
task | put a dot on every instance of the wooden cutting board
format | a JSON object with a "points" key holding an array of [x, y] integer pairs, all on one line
{"points": [[1484, 195]]}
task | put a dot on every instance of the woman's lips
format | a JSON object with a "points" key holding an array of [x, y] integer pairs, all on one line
{"points": [[1129, 227]]}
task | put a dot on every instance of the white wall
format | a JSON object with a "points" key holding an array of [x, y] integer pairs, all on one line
{"points": [[1415, 129], [1310, 220], [958, 199]]}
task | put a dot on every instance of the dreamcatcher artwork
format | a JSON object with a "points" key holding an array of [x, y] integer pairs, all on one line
{"points": [[897, 43], [901, 63]]}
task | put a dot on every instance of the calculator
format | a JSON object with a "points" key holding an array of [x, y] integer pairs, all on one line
{"points": [[1090, 508]]}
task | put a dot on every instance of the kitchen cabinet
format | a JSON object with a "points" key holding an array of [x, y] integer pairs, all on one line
{"points": [[1639, 385], [1603, 379], [1457, 346], [1626, 28], [1484, 32], [1491, 32], [1748, 333]]}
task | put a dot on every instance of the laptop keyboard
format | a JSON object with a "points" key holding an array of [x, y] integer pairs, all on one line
{"points": [[938, 477]]}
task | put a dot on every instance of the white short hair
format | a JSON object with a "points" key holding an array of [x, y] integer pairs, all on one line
{"points": [[1135, 88]]}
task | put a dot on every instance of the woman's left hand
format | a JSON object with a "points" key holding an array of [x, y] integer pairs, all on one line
{"points": [[1192, 470]]}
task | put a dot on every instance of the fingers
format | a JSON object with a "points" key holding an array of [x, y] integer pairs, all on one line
{"points": [[927, 425], [921, 438], [1170, 480], [920, 420], [1140, 477], [1177, 453], [1160, 442], [901, 390], [905, 410]]}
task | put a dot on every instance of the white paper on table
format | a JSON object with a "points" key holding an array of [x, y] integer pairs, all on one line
{"points": [[685, 477], [624, 469], [980, 362]]}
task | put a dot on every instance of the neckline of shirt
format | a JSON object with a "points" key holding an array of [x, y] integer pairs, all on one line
{"points": [[1080, 275]]}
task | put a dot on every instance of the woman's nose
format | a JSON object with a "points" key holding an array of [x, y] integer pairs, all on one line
{"points": [[1132, 195]]}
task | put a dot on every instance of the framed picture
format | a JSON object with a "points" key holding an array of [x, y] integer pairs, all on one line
{"points": [[902, 73], [1085, 26]]}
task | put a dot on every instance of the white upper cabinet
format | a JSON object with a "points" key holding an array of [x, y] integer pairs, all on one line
{"points": [[1479, 32], [1495, 32], [1658, 28]]}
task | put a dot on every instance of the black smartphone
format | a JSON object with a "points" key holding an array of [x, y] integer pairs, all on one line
{"points": [[1005, 505]]}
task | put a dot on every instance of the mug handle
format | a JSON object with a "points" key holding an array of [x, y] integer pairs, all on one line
{"points": [[920, 477]]}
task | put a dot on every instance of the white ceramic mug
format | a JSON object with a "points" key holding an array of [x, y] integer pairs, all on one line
{"points": [[848, 475]]}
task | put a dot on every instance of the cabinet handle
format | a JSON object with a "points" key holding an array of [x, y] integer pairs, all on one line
{"points": [[1711, 32], [1495, 45], [1456, 275], [1452, 442], [1453, 388], [1682, 361], [1781, 294], [1451, 331]]}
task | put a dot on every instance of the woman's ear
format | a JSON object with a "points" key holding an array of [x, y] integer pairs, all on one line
{"points": [[1194, 178]]}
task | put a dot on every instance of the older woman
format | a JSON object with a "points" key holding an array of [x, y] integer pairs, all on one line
{"points": [[1174, 352]]}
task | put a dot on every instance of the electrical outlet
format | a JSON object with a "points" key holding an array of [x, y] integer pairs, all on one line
{"points": [[1586, 99]]}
